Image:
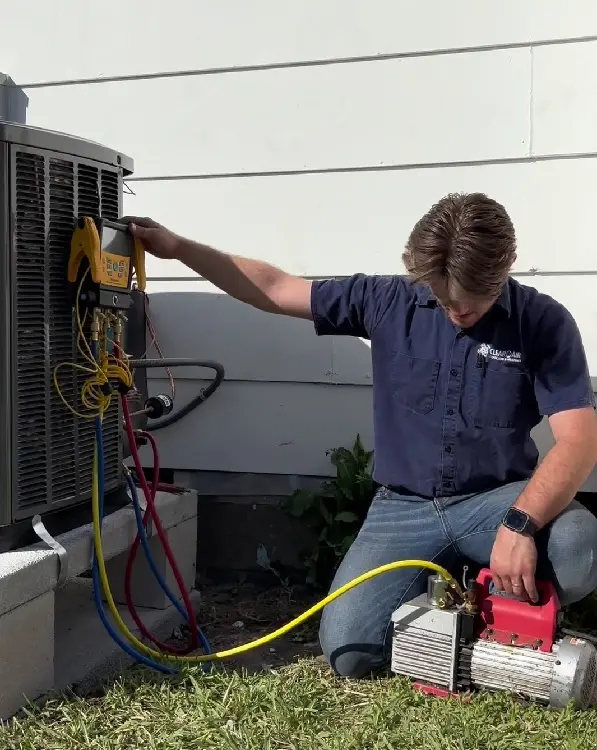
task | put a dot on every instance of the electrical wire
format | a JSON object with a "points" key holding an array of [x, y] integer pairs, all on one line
{"points": [[156, 344], [86, 353], [101, 369], [202, 396], [153, 342]]}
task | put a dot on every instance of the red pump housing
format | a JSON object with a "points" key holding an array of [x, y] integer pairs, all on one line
{"points": [[514, 622]]}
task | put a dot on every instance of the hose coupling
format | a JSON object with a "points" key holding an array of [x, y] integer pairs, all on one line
{"points": [[466, 599], [118, 329], [95, 325]]}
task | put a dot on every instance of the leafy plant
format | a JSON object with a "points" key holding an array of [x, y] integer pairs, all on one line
{"points": [[337, 511]]}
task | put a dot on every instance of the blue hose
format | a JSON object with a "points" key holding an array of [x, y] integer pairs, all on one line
{"points": [[159, 578], [97, 596]]}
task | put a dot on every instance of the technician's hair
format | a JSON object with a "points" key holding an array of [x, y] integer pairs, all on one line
{"points": [[466, 241]]}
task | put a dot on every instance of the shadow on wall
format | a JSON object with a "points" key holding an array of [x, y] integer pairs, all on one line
{"points": [[289, 395]]}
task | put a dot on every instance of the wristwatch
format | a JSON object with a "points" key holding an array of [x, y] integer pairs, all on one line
{"points": [[520, 522]]}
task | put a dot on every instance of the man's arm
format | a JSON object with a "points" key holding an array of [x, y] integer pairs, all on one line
{"points": [[255, 282], [565, 396], [259, 284], [565, 468], [349, 307], [550, 490]]}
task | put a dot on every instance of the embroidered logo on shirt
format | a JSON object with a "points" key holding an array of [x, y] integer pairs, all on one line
{"points": [[500, 355]]}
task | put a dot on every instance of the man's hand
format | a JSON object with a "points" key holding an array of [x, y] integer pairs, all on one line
{"points": [[255, 282], [513, 563], [158, 240]]}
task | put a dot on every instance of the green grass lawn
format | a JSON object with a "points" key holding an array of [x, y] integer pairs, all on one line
{"points": [[298, 707]]}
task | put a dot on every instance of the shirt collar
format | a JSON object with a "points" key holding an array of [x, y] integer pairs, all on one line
{"points": [[504, 299], [425, 298]]}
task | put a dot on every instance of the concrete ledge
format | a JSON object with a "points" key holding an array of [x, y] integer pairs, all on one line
{"points": [[28, 573], [26, 653], [146, 592], [77, 626], [50, 639]]}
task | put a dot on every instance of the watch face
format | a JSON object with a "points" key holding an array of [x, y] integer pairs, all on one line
{"points": [[516, 520]]}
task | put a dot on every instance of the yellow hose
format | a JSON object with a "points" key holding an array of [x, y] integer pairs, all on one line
{"points": [[159, 656]]}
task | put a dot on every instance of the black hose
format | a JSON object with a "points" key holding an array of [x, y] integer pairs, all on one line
{"points": [[202, 396]]}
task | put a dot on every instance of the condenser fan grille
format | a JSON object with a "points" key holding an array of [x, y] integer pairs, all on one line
{"points": [[54, 449]]}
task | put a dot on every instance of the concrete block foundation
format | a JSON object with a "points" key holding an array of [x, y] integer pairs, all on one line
{"points": [[146, 590], [84, 655], [52, 638], [26, 652]]}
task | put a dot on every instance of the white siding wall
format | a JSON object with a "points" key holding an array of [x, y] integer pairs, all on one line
{"points": [[314, 133]]}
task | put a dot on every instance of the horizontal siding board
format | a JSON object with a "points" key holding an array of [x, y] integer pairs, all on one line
{"points": [[277, 428], [252, 345], [338, 224], [392, 112], [104, 38], [564, 106], [256, 346]]}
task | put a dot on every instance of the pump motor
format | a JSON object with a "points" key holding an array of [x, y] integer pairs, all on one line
{"points": [[498, 643]]}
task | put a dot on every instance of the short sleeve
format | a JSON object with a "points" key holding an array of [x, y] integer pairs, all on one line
{"points": [[562, 378], [352, 306]]}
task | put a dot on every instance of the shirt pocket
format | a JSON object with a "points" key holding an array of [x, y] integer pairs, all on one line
{"points": [[500, 396], [414, 382]]}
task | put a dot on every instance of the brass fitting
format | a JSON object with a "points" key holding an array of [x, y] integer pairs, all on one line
{"points": [[467, 598], [118, 329], [95, 326]]}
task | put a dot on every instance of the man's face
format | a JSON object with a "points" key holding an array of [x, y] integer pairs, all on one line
{"points": [[462, 308]]}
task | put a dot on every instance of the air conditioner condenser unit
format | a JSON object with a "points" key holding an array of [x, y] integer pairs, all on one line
{"points": [[47, 180]]}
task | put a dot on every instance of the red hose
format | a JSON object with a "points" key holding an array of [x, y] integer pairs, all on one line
{"points": [[151, 512], [192, 646]]}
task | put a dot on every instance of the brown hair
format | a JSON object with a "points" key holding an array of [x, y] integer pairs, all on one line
{"points": [[465, 240]]}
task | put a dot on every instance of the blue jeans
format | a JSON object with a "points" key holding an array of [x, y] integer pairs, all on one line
{"points": [[355, 631]]}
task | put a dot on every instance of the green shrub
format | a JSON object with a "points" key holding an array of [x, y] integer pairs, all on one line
{"points": [[337, 511]]}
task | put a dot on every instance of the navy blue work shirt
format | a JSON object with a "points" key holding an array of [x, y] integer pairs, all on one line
{"points": [[453, 409]]}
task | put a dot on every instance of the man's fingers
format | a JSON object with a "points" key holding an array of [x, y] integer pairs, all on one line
{"points": [[520, 586], [140, 221], [138, 231], [531, 588], [507, 583]]}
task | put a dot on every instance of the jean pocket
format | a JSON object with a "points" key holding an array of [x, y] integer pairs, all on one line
{"points": [[500, 397], [414, 382]]}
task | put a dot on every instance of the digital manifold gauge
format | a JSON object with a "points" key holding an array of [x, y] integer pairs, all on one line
{"points": [[113, 255]]}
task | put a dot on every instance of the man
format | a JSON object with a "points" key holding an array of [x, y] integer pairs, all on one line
{"points": [[466, 361]]}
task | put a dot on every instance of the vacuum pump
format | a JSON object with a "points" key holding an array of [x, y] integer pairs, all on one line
{"points": [[493, 642]]}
